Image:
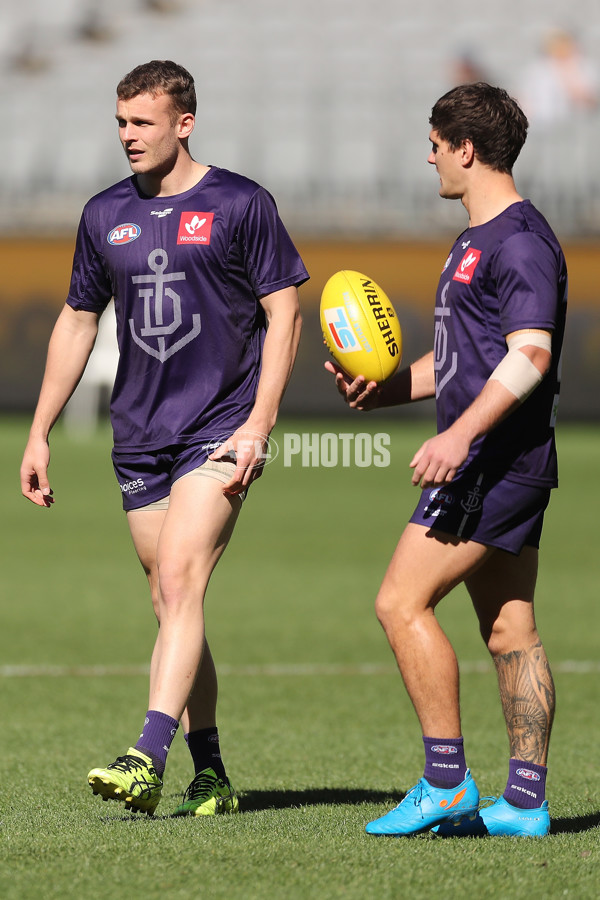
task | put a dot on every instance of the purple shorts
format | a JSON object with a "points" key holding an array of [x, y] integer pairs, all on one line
{"points": [[484, 508], [147, 477]]}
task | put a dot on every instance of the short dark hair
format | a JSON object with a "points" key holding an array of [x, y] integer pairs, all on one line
{"points": [[160, 76], [485, 115]]}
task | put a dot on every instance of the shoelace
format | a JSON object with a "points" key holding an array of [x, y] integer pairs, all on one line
{"points": [[483, 801], [129, 763], [418, 790], [202, 786]]}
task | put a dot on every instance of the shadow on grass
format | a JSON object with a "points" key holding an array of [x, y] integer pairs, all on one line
{"points": [[575, 824], [254, 801]]}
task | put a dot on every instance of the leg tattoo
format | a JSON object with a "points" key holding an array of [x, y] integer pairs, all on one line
{"points": [[527, 695]]}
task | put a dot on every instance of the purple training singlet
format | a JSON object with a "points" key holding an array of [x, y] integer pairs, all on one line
{"points": [[505, 275], [186, 273]]}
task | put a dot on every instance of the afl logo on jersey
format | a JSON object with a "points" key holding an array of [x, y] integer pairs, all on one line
{"points": [[124, 234]]}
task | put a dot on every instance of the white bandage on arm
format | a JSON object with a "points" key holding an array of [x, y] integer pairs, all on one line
{"points": [[516, 371]]}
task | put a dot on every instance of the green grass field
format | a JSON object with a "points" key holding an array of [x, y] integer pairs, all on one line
{"points": [[316, 730]]}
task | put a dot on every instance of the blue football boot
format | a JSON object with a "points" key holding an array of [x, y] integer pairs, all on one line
{"points": [[425, 806], [501, 819]]}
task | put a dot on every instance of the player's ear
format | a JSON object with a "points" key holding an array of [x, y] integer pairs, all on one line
{"points": [[186, 125], [467, 151]]}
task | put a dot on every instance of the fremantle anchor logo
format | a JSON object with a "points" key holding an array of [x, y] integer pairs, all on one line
{"points": [[442, 357], [473, 502], [156, 309]]}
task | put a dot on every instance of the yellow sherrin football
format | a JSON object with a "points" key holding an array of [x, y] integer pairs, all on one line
{"points": [[360, 326]]}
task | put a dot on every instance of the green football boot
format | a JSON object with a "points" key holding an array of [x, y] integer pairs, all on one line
{"points": [[208, 795], [132, 779]]}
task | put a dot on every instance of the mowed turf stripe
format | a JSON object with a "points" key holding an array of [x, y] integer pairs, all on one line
{"points": [[566, 667]]}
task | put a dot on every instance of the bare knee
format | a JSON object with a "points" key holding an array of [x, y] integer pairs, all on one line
{"points": [[498, 641], [503, 637], [385, 608], [171, 586], [397, 613], [180, 588]]}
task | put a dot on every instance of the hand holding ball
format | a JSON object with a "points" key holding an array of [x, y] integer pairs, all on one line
{"points": [[360, 326]]}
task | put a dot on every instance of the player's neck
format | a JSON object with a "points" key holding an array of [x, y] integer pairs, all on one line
{"points": [[182, 177], [489, 197]]}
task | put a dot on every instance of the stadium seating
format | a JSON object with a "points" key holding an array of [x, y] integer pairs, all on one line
{"points": [[324, 103]]}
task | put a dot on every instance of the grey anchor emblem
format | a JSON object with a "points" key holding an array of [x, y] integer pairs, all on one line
{"points": [[474, 500], [441, 344], [155, 311]]}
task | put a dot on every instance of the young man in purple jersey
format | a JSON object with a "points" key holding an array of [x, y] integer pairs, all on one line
{"points": [[486, 476], [204, 277]]}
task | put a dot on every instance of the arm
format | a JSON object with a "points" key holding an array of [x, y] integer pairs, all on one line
{"points": [[417, 382], [438, 460], [279, 353], [69, 349]]}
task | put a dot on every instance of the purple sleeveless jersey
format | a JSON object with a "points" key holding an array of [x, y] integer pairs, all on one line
{"points": [[505, 275], [186, 273]]}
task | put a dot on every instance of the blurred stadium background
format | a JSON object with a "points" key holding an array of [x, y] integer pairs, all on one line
{"points": [[326, 104]]}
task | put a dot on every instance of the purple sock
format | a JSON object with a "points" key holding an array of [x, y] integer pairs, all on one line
{"points": [[445, 765], [526, 785], [156, 738]]}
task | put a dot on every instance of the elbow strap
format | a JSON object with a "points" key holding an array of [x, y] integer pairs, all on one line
{"points": [[516, 371]]}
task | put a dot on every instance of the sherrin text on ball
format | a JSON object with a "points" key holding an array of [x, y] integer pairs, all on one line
{"points": [[360, 326]]}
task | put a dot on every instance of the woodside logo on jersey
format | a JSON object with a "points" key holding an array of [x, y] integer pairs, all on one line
{"points": [[467, 266], [195, 228]]}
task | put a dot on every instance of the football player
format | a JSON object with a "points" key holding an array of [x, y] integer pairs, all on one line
{"points": [[485, 477], [204, 278]]}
